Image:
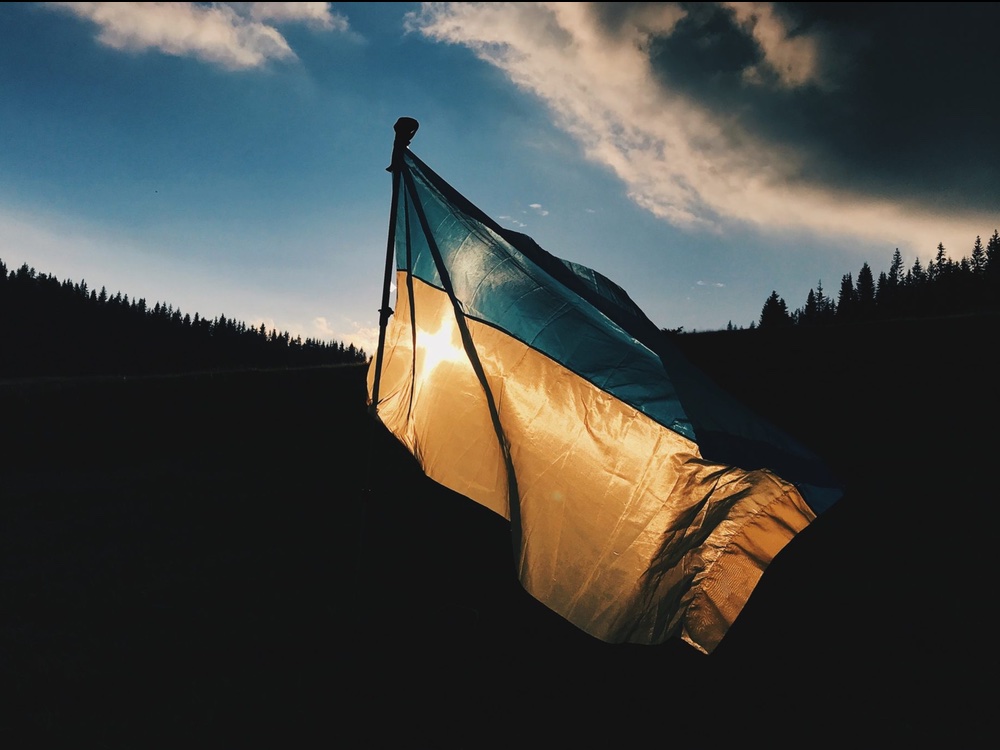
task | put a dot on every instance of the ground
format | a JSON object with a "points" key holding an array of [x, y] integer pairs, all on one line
{"points": [[217, 560]]}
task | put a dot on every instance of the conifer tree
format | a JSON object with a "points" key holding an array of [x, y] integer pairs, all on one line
{"points": [[939, 266], [865, 292], [896, 271], [824, 305], [774, 314], [977, 260], [810, 314], [882, 294], [846, 298], [993, 256]]}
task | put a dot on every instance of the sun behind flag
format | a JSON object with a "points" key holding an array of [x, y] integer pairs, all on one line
{"points": [[644, 502]]}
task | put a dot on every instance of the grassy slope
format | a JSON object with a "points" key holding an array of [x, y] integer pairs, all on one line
{"points": [[210, 559]]}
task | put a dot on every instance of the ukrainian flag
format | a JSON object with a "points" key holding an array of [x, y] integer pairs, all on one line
{"points": [[643, 504]]}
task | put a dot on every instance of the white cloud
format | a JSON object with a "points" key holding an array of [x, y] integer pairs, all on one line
{"points": [[793, 59], [316, 14], [677, 159], [363, 337], [235, 36], [268, 323]]}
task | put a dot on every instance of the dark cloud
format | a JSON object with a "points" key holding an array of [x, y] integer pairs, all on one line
{"points": [[906, 104], [707, 48]]}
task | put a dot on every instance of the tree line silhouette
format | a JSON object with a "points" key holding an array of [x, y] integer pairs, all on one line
{"points": [[53, 327], [945, 287]]}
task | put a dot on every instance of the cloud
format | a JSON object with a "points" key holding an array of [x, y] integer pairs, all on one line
{"points": [[235, 36], [795, 117], [512, 220], [793, 60], [537, 207], [268, 323], [363, 337], [314, 14]]}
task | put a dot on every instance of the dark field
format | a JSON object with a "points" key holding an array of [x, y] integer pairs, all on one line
{"points": [[246, 559]]}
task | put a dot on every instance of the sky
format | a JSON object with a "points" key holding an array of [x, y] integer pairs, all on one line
{"points": [[229, 158]]}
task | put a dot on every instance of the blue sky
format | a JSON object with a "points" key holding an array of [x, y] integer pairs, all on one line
{"points": [[229, 158]]}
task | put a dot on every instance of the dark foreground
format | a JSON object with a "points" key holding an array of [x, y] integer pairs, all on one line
{"points": [[234, 559]]}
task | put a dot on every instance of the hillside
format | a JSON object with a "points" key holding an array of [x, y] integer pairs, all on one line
{"points": [[216, 559]]}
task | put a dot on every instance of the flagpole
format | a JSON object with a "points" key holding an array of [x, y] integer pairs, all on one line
{"points": [[405, 128]]}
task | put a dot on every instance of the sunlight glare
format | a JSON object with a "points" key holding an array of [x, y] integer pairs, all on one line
{"points": [[438, 347]]}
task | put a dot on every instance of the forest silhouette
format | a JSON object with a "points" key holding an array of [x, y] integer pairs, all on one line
{"points": [[970, 285], [54, 327]]}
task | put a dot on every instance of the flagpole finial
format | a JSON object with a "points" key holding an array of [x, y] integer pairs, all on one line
{"points": [[405, 128]]}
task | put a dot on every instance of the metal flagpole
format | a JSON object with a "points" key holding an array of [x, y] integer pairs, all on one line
{"points": [[405, 128]]}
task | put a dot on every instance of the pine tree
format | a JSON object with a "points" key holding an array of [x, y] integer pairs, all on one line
{"points": [[810, 314], [978, 259], [993, 255], [847, 298], [865, 292], [883, 296], [895, 277], [939, 266], [824, 305], [774, 314]]}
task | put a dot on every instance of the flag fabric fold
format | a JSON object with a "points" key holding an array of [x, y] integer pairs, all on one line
{"points": [[644, 503]]}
